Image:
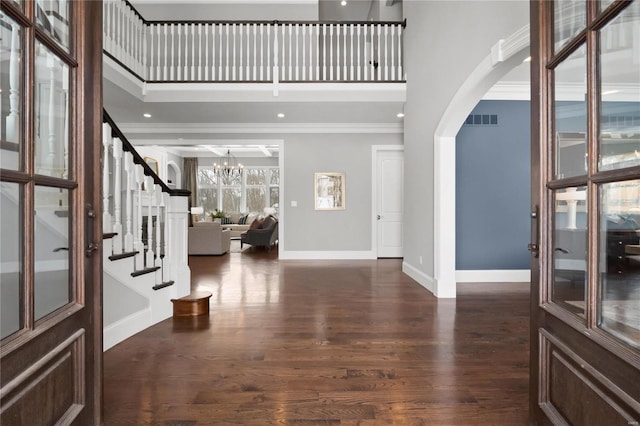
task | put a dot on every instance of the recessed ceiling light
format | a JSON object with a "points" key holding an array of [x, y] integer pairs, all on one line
{"points": [[527, 59], [146, 115], [280, 115], [400, 115], [343, 3]]}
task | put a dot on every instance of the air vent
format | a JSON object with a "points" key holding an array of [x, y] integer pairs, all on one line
{"points": [[482, 120]]}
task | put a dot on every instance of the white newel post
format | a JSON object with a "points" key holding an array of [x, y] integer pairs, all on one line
{"points": [[107, 225], [166, 260], [158, 259], [13, 119], [178, 238], [138, 245], [128, 236], [150, 188], [117, 195]]}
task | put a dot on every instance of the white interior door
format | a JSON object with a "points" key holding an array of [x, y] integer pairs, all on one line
{"points": [[390, 202]]}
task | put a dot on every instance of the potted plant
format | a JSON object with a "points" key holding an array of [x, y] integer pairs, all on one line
{"points": [[217, 215]]}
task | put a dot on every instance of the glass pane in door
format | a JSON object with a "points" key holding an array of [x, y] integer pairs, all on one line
{"points": [[619, 260], [570, 116], [11, 75], [620, 91], [11, 251], [570, 248], [53, 18], [568, 20], [51, 114], [51, 250]]}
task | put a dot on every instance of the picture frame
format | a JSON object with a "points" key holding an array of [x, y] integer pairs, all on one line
{"points": [[329, 191], [153, 163]]}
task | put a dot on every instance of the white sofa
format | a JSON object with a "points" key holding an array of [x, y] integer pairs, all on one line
{"points": [[237, 229], [208, 238]]}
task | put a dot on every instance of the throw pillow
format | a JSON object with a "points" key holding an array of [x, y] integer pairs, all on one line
{"points": [[226, 221], [243, 220], [256, 224]]}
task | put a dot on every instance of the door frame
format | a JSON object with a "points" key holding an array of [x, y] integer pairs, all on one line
{"points": [[375, 149]]}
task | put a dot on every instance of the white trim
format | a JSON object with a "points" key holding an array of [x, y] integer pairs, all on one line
{"points": [[326, 255], [125, 328], [375, 149], [503, 57], [509, 91], [251, 128], [494, 276], [420, 277], [281, 209], [263, 92]]}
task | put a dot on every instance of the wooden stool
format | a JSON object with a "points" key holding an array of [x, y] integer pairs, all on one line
{"points": [[197, 303]]}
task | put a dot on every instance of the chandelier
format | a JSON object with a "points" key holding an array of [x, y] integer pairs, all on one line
{"points": [[229, 167]]}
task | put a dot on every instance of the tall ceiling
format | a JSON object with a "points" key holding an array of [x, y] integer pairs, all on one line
{"points": [[188, 127]]}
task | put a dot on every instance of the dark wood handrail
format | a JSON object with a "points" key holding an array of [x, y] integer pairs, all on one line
{"points": [[280, 23], [137, 159]]}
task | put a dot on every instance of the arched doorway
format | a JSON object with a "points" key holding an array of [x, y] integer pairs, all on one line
{"points": [[505, 55]]}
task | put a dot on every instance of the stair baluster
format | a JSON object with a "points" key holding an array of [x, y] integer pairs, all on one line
{"points": [[138, 244], [107, 225], [117, 195], [157, 260], [128, 236], [150, 189]]}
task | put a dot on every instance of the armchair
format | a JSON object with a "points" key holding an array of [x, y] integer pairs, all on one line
{"points": [[266, 234], [208, 238]]}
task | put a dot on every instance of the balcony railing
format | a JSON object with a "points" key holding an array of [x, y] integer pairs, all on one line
{"points": [[256, 51]]}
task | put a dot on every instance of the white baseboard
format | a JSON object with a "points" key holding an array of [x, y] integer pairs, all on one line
{"points": [[326, 255], [423, 279], [125, 328], [493, 276]]}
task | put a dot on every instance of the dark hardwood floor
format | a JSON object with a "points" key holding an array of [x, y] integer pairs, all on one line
{"points": [[325, 343]]}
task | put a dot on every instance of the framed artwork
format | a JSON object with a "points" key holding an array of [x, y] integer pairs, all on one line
{"points": [[153, 163], [330, 191]]}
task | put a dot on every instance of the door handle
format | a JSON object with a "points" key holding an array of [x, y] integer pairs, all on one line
{"points": [[91, 248], [91, 214], [533, 246], [379, 217]]}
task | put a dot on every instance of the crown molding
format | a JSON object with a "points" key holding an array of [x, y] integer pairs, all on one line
{"points": [[260, 128]]}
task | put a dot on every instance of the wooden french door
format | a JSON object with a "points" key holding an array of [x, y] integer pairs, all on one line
{"points": [[585, 321], [50, 288]]}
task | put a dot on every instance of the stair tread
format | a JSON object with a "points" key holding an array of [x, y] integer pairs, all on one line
{"points": [[144, 271], [163, 285], [109, 235], [123, 255]]}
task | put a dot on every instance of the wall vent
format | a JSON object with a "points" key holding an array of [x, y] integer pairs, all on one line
{"points": [[482, 120]]}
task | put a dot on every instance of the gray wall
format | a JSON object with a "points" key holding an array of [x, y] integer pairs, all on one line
{"points": [[492, 189], [218, 11], [342, 230], [444, 42]]}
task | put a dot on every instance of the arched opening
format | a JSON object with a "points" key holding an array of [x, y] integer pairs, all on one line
{"points": [[174, 175], [505, 56]]}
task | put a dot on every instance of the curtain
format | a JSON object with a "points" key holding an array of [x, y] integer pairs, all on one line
{"points": [[190, 182]]}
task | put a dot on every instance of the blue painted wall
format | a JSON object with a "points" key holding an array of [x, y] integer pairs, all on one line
{"points": [[493, 189]]}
